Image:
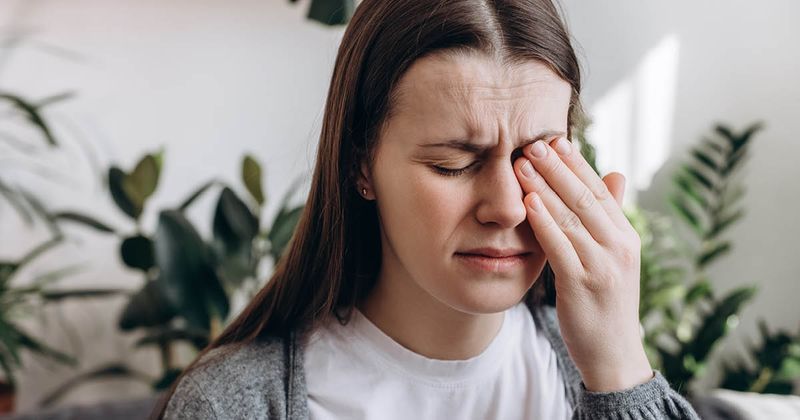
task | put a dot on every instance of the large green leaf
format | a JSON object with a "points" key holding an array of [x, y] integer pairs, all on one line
{"points": [[116, 180], [234, 223], [137, 252], [148, 307], [282, 230], [251, 176], [140, 184], [187, 273], [331, 12]]}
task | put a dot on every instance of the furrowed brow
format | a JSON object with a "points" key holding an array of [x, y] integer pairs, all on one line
{"points": [[475, 148]]}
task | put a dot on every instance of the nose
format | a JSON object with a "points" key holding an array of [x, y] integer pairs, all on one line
{"points": [[501, 196]]}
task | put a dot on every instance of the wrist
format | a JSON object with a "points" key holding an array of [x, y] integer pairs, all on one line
{"points": [[619, 377]]}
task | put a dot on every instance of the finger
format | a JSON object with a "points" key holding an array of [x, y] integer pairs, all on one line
{"points": [[566, 219], [574, 160], [551, 238], [615, 182], [577, 196]]}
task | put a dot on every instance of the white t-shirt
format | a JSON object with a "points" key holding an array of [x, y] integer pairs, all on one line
{"points": [[355, 371]]}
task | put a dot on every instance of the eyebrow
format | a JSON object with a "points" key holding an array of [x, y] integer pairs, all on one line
{"points": [[471, 147]]}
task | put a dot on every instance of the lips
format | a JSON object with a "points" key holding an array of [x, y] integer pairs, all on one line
{"points": [[495, 252], [507, 261]]}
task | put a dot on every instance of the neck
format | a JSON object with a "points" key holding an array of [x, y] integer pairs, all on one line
{"points": [[423, 324]]}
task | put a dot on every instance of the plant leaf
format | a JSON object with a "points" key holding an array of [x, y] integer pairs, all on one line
{"points": [[699, 177], [706, 160], [722, 224], [688, 215], [113, 370], [140, 184], [187, 274], [331, 12], [148, 307], [251, 176], [715, 324], [57, 295], [198, 338], [282, 230], [137, 252], [32, 114], [40, 348], [197, 193], [700, 290], [84, 219], [116, 179], [234, 223], [713, 251]]}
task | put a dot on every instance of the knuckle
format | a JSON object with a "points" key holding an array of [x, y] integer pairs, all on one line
{"points": [[600, 282], [553, 166], [601, 191], [586, 200], [570, 221], [628, 256]]}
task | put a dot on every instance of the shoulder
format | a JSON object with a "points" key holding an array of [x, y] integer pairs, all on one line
{"points": [[234, 381], [546, 321]]}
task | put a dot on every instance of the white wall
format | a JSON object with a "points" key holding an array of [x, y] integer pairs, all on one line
{"points": [[734, 62], [213, 80], [208, 80]]}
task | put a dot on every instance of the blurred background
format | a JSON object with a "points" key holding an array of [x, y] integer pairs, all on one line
{"points": [[155, 155]]}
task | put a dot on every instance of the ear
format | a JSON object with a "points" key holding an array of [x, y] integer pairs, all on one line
{"points": [[364, 180]]}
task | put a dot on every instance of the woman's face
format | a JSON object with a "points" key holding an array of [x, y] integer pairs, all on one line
{"points": [[428, 218]]}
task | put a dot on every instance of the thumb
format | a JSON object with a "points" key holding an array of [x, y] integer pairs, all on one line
{"points": [[615, 182]]}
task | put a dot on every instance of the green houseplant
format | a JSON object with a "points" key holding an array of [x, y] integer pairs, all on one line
{"points": [[692, 319], [330, 12], [682, 317], [18, 301], [188, 281]]}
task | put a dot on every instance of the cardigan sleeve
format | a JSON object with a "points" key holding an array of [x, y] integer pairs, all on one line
{"points": [[189, 402], [652, 400]]}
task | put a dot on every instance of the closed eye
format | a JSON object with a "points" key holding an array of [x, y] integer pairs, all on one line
{"points": [[450, 171]]}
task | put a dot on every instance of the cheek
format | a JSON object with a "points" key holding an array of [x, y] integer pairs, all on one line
{"points": [[423, 210]]}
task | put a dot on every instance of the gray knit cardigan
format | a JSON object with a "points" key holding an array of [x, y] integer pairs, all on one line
{"points": [[265, 380]]}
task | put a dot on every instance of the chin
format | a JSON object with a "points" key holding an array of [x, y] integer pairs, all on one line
{"points": [[492, 293], [489, 299]]}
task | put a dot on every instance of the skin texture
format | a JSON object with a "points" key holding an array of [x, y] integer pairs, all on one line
{"points": [[432, 303]]}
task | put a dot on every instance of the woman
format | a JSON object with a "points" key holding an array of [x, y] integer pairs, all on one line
{"points": [[457, 257]]}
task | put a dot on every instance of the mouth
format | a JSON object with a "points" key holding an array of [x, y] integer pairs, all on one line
{"points": [[483, 262]]}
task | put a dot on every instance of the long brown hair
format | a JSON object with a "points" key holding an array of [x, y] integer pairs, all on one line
{"points": [[333, 259]]}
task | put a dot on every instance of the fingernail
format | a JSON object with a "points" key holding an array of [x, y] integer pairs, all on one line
{"points": [[538, 149], [563, 146], [527, 169]]}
